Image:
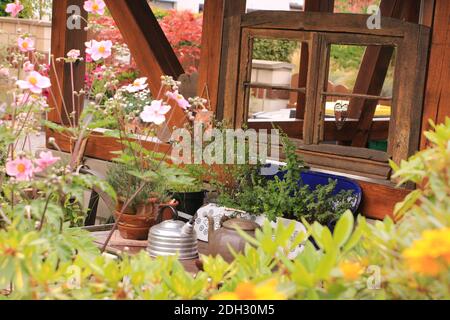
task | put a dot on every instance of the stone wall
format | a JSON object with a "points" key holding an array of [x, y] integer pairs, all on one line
{"points": [[10, 28]]}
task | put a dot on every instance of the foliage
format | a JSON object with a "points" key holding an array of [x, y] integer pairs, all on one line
{"points": [[347, 57], [354, 6], [274, 50], [183, 29], [356, 261], [3, 4], [160, 13], [196, 173], [33, 9], [287, 197], [126, 184]]}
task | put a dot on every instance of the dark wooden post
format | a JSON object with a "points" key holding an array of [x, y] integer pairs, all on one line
{"points": [[437, 95], [229, 64], [310, 6], [211, 50], [63, 40]]}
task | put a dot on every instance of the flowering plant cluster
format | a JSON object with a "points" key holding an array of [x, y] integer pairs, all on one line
{"points": [[183, 29]]}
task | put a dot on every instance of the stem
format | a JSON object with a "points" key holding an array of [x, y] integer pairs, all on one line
{"points": [[120, 215], [43, 214], [108, 239], [60, 91], [73, 87], [4, 217]]}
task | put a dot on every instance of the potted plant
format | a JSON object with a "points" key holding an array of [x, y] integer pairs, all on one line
{"points": [[143, 178], [141, 212], [191, 197], [287, 197]]}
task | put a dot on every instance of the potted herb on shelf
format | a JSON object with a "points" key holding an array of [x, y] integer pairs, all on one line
{"points": [[285, 195]]}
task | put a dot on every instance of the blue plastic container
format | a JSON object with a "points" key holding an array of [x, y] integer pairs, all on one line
{"points": [[314, 179]]}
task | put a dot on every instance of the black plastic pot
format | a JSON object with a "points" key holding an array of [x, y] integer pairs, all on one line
{"points": [[190, 202]]}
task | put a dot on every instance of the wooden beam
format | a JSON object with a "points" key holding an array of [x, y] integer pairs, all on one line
{"points": [[373, 70], [229, 67], [63, 40], [99, 146], [211, 51], [310, 6], [427, 12], [322, 22], [319, 5], [148, 45], [294, 129], [437, 95]]}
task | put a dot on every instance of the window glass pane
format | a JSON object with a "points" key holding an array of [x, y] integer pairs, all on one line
{"points": [[276, 69], [271, 105], [360, 120]]}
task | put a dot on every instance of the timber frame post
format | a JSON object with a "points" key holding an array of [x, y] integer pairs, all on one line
{"points": [[63, 40]]}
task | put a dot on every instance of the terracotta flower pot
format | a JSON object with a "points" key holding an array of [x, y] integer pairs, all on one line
{"points": [[135, 225]]}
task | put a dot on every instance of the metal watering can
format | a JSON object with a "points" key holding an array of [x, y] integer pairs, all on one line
{"points": [[173, 237]]}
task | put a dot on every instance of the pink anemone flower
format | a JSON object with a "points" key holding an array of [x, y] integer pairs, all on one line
{"points": [[45, 160], [180, 100], [137, 85], [20, 168], [99, 49], [14, 8], [155, 113], [28, 66], [95, 6], [73, 54], [25, 44], [34, 82]]}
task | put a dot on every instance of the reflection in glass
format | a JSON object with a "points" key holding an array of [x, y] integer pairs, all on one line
{"points": [[276, 85]]}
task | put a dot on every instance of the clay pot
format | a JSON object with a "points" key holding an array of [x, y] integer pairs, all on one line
{"points": [[135, 225], [227, 236]]}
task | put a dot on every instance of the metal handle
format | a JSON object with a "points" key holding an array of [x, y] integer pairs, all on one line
{"points": [[161, 210]]}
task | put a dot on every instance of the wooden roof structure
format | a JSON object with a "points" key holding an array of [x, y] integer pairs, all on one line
{"points": [[220, 61]]}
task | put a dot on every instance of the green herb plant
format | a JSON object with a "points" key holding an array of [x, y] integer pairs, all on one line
{"points": [[288, 197]]}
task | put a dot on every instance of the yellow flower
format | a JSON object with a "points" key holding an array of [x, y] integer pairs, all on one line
{"points": [[351, 271], [249, 291], [430, 255]]}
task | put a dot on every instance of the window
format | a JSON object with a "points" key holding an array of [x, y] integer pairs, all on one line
{"points": [[349, 96]]}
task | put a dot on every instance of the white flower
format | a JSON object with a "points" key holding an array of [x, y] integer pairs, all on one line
{"points": [[137, 85], [155, 113]]}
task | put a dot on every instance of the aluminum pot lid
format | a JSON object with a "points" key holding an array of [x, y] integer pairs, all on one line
{"points": [[170, 228]]}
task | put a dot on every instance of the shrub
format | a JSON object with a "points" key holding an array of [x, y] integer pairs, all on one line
{"points": [[183, 29], [274, 50]]}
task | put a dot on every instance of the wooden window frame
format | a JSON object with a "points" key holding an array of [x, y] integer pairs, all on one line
{"points": [[411, 42], [248, 35]]}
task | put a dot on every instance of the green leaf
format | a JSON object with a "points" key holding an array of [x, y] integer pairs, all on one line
{"points": [[344, 228], [327, 240], [403, 207], [326, 264]]}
